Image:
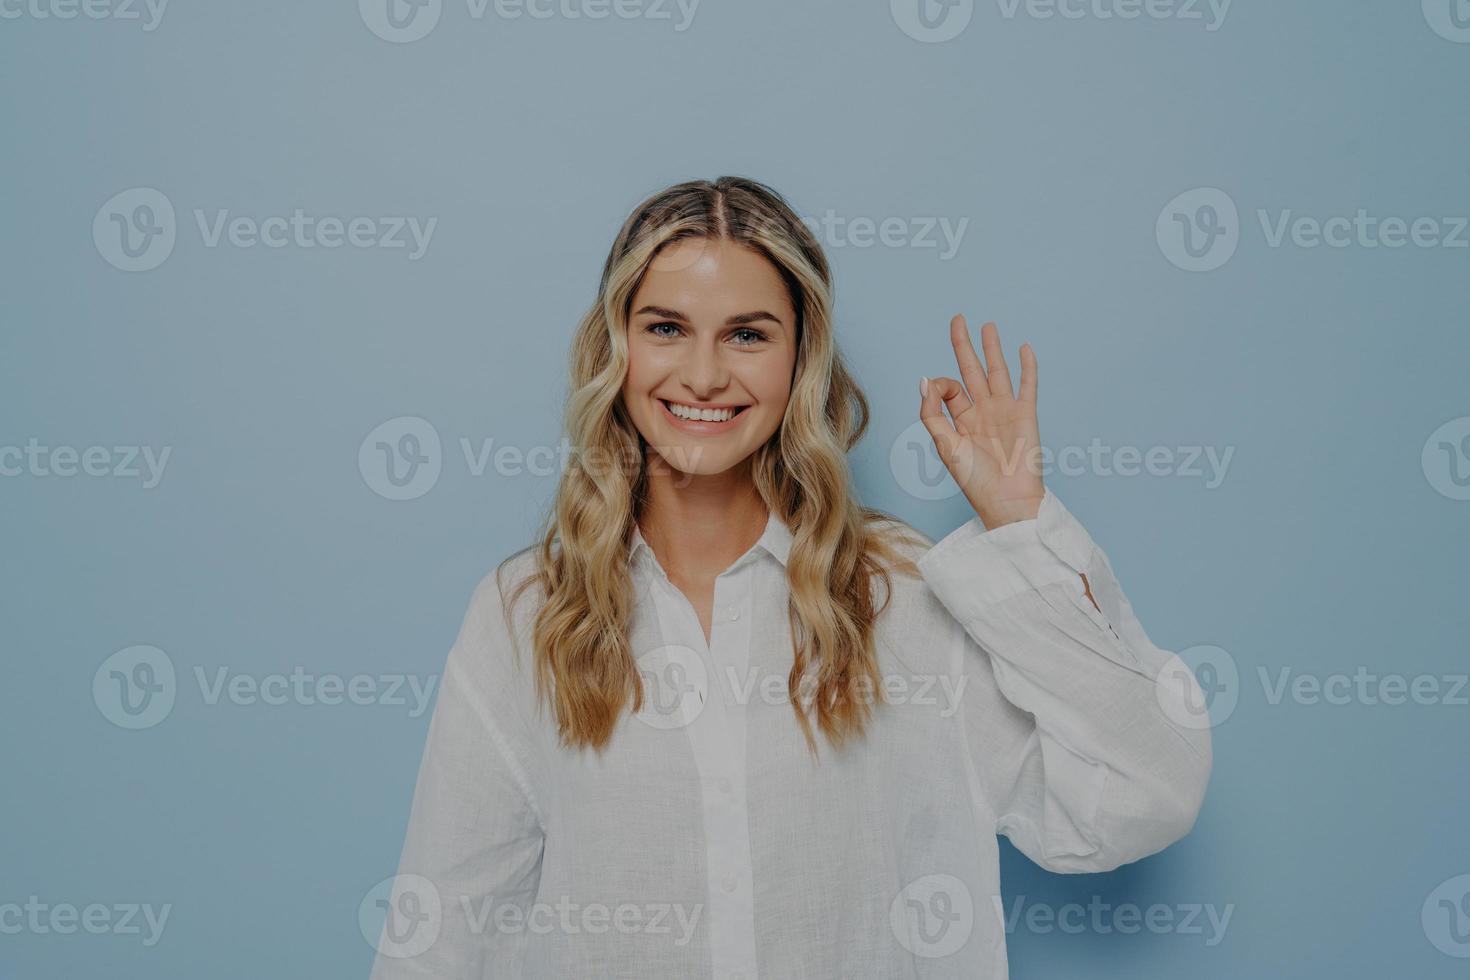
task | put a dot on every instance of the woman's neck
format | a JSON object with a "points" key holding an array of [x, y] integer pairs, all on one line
{"points": [[698, 526]]}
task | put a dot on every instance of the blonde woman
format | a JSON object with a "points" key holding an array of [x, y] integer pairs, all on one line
{"points": [[722, 721]]}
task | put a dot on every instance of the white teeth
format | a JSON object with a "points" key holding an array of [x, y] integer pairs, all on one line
{"points": [[701, 414]]}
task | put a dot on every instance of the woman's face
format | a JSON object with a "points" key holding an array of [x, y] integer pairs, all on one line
{"points": [[711, 327]]}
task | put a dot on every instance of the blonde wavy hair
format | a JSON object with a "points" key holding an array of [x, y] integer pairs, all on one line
{"points": [[585, 669]]}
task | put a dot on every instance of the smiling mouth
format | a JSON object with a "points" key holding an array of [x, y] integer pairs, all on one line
{"points": [[695, 417]]}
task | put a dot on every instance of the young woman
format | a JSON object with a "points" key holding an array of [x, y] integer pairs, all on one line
{"points": [[723, 721]]}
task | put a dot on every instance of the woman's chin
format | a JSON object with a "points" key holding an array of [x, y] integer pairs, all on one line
{"points": [[693, 461]]}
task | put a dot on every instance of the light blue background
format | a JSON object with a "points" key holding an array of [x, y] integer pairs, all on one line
{"points": [[263, 549]]}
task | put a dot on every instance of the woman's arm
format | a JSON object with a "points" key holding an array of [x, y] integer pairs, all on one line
{"points": [[475, 834], [1078, 749], [1083, 762]]}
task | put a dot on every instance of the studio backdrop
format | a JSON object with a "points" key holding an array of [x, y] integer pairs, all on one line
{"points": [[287, 296]]}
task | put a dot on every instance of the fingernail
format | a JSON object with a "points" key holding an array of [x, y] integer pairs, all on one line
{"points": [[924, 386]]}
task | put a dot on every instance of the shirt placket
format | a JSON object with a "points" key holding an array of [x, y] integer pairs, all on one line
{"points": [[717, 737]]}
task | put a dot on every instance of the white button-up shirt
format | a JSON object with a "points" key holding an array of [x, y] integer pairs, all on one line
{"points": [[705, 842]]}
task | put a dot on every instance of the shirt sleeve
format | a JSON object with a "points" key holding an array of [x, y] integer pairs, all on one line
{"points": [[1077, 751], [475, 830]]}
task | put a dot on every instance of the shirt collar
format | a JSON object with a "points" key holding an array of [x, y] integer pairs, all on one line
{"points": [[776, 539]]}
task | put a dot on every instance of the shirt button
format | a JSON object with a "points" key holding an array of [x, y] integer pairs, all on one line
{"points": [[734, 613], [729, 883], [724, 785]]}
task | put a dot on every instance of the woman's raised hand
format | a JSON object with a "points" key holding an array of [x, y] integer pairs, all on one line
{"points": [[989, 441]]}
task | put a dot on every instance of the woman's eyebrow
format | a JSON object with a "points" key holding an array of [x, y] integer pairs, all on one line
{"points": [[736, 320]]}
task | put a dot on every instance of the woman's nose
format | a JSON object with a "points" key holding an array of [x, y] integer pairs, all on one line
{"points": [[704, 371]]}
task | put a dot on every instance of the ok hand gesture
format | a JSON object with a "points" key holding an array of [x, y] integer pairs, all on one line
{"points": [[989, 441]]}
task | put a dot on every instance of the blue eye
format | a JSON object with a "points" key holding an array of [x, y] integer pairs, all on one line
{"points": [[755, 334], [653, 328]]}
